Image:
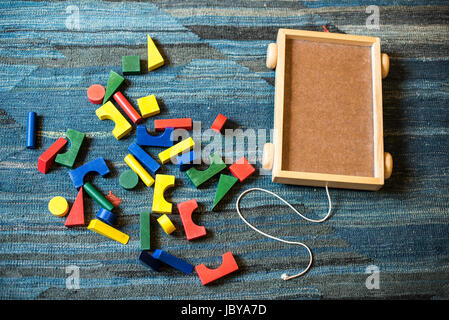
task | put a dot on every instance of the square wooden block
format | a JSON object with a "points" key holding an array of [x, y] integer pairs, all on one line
{"points": [[131, 65]]}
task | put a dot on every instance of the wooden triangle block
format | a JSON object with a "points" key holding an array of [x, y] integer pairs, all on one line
{"points": [[225, 184], [114, 81], [76, 214]]}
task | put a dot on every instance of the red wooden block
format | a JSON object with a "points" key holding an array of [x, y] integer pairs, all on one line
{"points": [[192, 230], [95, 93], [208, 275], [127, 107], [48, 157], [113, 199], [242, 169], [183, 123], [76, 214], [219, 123]]}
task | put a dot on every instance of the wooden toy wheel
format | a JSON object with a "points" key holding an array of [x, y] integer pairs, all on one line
{"points": [[272, 55], [268, 156], [385, 64], [388, 165]]}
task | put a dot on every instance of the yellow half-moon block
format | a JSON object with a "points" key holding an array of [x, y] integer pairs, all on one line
{"points": [[166, 224], [163, 182], [110, 112], [137, 168], [178, 148], [58, 206], [108, 231], [155, 59]]}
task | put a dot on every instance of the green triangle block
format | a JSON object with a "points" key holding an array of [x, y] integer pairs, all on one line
{"points": [[225, 184], [114, 81]]}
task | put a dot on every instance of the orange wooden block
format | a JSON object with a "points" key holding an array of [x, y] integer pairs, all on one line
{"points": [[76, 214], [228, 266], [219, 123], [95, 93], [113, 199], [192, 230]]}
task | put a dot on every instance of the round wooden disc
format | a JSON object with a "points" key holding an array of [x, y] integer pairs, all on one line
{"points": [[128, 179], [58, 206], [95, 93]]}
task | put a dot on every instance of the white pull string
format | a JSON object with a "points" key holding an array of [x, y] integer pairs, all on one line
{"points": [[285, 276]]}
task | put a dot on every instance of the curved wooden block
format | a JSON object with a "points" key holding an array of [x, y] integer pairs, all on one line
{"points": [[98, 165], [198, 177], [228, 266], [143, 138], [192, 230], [68, 158], [162, 183], [110, 112]]}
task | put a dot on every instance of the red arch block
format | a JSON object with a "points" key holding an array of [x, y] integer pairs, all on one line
{"points": [[208, 275], [192, 230]]}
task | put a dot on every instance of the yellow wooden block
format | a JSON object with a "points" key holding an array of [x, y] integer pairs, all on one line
{"points": [[166, 224], [107, 231], [178, 148], [137, 168], [58, 206], [155, 59], [148, 106], [110, 112], [163, 182]]}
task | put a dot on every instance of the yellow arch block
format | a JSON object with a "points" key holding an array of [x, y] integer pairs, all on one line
{"points": [[166, 224], [137, 168], [110, 112], [108, 231], [178, 148], [58, 206], [163, 182]]}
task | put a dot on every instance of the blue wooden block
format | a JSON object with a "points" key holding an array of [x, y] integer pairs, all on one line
{"points": [[31, 130], [173, 261], [98, 165], [106, 216], [144, 158], [185, 161], [146, 259], [143, 138]]}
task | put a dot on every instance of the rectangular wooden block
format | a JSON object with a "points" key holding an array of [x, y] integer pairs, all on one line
{"points": [[48, 157], [178, 148], [108, 231], [181, 123], [145, 230]]}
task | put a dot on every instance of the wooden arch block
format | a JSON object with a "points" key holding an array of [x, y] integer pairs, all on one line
{"points": [[143, 138], [110, 112], [98, 165], [192, 230], [68, 158], [198, 177], [162, 183], [228, 266]]}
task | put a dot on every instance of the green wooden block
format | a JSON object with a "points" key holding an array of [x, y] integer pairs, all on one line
{"points": [[131, 64], [68, 158], [225, 184], [145, 230], [114, 82], [128, 179], [97, 196], [198, 177]]}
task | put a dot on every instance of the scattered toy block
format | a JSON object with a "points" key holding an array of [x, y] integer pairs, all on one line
{"points": [[106, 216], [178, 148], [58, 206], [48, 157], [31, 130], [68, 158], [114, 82], [198, 177], [130, 65], [242, 169], [225, 184], [110, 112], [145, 230], [219, 123], [144, 158], [97, 165], [76, 214], [128, 179], [163, 182], [173, 261], [147, 260], [155, 59], [143, 138], [228, 266], [182, 123], [97, 196], [185, 161], [106, 230], [137, 168], [166, 224], [112, 198], [95, 93], [127, 107], [192, 230], [148, 106]]}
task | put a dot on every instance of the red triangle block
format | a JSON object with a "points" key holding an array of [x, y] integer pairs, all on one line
{"points": [[76, 214]]}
